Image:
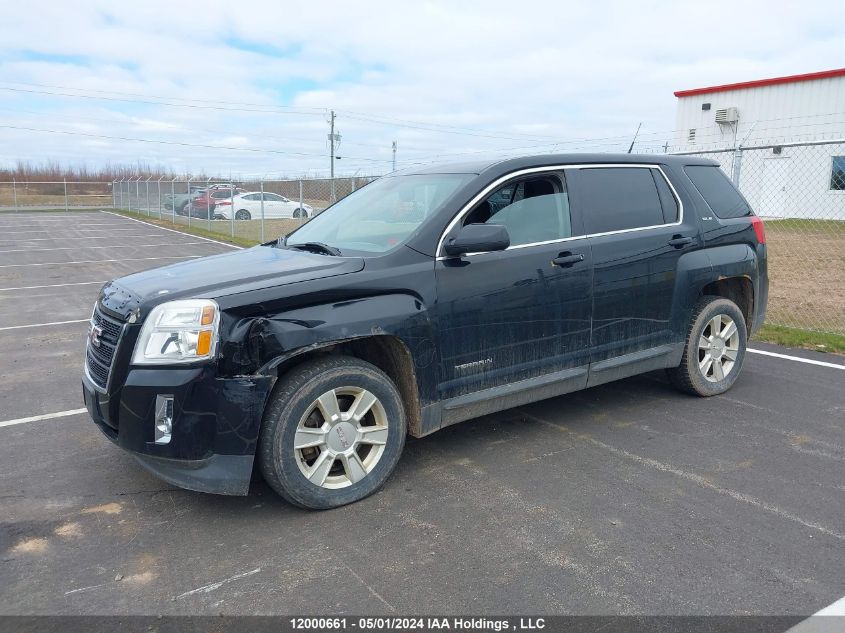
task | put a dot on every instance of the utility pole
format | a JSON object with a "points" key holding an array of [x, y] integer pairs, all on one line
{"points": [[331, 149], [394, 156]]}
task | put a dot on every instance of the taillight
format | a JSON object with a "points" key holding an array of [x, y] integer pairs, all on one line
{"points": [[759, 229], [220, 203]]}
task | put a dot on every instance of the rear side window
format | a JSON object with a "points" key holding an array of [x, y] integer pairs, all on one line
{"points": [[619, 198], [719, 193], [667, 198]]}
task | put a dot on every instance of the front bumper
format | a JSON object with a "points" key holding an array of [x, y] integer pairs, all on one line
{"points": [[216, 422]]}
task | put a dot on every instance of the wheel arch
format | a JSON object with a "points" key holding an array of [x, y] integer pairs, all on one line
{"points": [[387, 352]]}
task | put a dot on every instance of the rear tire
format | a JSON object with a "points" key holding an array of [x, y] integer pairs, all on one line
{"points": [[714, 350], [332, 433], [300, 213], [243, 214]]}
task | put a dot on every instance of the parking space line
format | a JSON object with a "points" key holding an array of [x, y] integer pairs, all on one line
{"points": [[173, 230], [76, 283], [797, 359], [70, 228], [63, 238], [704, 482], [73, 248], [46, 416], [101, 261], [21, 327]]}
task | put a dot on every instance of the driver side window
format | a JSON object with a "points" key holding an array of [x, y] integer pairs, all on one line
{"points": [[533, 209]]}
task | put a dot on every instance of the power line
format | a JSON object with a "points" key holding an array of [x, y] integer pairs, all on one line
{"points": [[183, 144]]}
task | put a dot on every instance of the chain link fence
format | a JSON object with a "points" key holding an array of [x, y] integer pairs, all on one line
{"points": [[799, 190], [254, 210]]}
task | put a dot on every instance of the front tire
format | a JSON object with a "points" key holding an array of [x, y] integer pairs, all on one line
{"points": [[332, 432], [714, 350], [300, 214]]}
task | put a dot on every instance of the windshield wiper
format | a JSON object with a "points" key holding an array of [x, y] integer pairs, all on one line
{"points": [[317, 247]]}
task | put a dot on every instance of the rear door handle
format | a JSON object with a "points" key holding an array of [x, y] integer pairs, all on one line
{"points": [[567, 259], [679, 241]]}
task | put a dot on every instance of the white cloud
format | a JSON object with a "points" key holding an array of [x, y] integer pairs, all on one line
{"points": [[532, 73]]}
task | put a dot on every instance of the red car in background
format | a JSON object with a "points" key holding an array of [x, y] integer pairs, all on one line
{"points": [[203, 206]]}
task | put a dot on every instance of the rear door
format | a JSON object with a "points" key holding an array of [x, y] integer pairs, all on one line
{"points": [[637, 234]]}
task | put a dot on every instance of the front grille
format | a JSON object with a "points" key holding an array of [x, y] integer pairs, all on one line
{"points": [[99, 358]]}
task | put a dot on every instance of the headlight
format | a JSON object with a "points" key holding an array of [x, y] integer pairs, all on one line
{"points": [[178, 332]]}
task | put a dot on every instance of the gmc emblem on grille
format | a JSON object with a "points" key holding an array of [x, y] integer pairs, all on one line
{"points": [[94, 335]]}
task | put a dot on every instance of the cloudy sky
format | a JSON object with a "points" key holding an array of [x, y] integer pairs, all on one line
{"points": [[246, 87]]}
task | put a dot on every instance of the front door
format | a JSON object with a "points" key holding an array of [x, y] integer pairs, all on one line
{"points": [[524, 312]]}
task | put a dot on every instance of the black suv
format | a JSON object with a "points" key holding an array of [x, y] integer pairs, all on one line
{"points": [[426, 298]]}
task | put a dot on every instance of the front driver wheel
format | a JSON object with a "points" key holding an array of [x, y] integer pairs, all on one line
{"points": [[332, 433], [300, 213], [243, 214], [715, 348]]}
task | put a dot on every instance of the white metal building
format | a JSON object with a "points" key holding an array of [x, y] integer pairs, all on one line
{"points": [[787, 167]]}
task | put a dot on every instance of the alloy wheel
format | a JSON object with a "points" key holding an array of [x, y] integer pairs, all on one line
{"points": [[718, 347], [341, 437]]}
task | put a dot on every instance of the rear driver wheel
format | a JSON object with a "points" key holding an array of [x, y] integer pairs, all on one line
{"points": [[243, 214], [715, 348], [332, 433]]}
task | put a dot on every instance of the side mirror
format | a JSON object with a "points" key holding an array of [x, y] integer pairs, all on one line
{"points": [[478, 238]]}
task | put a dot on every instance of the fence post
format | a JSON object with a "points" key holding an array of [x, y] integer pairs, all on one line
{"points": [[66, 205], [736, 166], [138, 193], [300, 198], [15, 194], [262, 211], [173, 199], [159, 196], [231, 205], [147, 195], [189, 205]]}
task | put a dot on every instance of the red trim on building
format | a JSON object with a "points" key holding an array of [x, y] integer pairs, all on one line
{"points": [[825, 74]]}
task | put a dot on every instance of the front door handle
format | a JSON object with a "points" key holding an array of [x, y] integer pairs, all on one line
{"points": [[679, 241], [567, 259]]}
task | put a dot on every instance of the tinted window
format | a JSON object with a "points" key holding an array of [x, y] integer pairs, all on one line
{"points": [[617, 198], [532, 210], [667, 198], [717, 191], [272, 196], [221, 194]]}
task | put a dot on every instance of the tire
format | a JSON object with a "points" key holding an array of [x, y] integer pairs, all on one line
{"points": [[695, 374], [300, 213], [304, 476], [243, 214]]}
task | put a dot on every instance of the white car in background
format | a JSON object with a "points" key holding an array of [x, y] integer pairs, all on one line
{"points": [[247, 206]]}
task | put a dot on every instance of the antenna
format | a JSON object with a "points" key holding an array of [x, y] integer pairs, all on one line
{"points": [[630, 149]]}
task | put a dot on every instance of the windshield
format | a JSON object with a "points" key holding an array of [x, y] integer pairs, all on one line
{"points": [[378, 217]]}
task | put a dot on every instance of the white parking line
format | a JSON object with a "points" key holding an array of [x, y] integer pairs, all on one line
{"points": [[797, 359], [73, 248], [21, 327], [77, 283], [65, 238], [101, 261], [46, 416], [173, 230], [826, 624], [70, 228]]}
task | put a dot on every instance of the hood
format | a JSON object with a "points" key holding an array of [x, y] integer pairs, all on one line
{"points": [[227, 274]]}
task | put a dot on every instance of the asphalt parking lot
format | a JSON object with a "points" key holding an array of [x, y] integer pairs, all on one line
{"points": [[630, 498]]}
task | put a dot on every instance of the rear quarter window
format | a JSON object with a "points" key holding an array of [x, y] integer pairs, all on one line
{"points": [[718, 192]]}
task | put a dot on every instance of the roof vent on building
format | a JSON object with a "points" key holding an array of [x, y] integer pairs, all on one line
{"points": [[727, 115]]}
